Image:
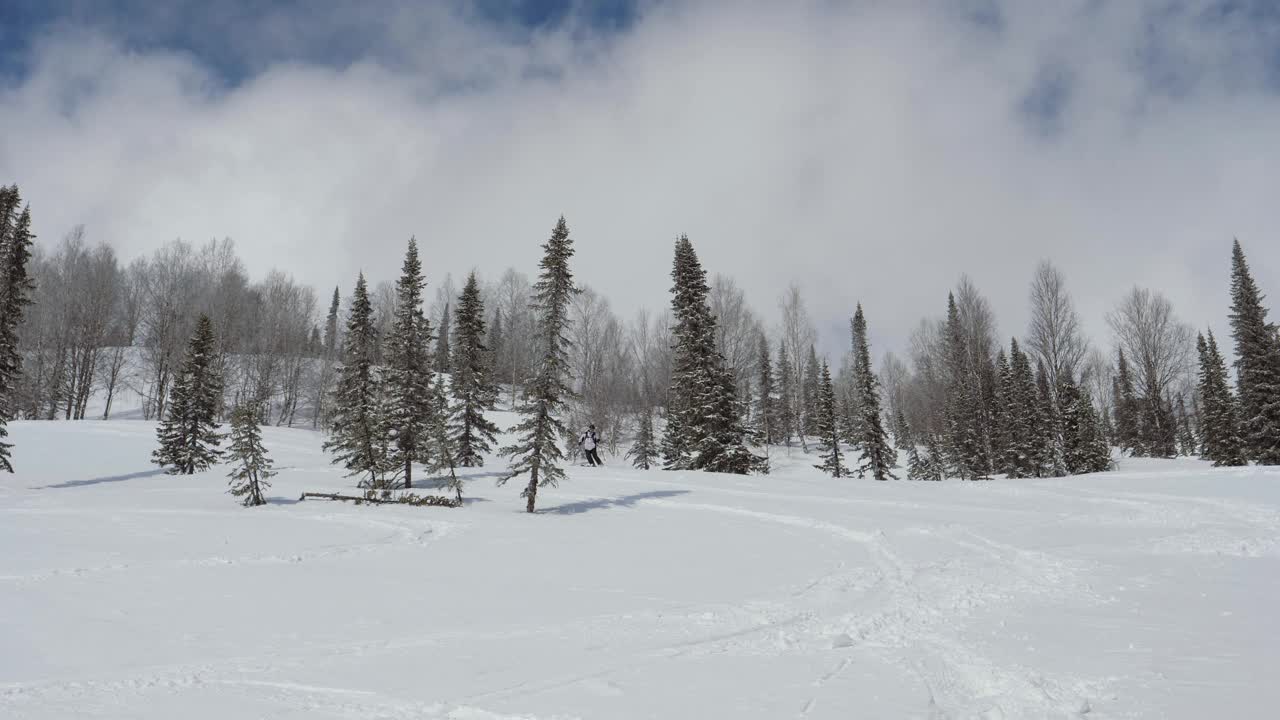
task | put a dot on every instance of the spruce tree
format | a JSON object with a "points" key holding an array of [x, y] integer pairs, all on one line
{"points": [[877, 453], [644, 452], [444, 353], [497, 349], [441, 453], [1221, 436], [1003, 417], [764, 427], [902, 438], [251, 466], [1186, 438], [1257, 364], [1127, 435], [189, 433], [826, 427], [786, 391], [1048, 438], [1085, 450], [473, 387], [1022, 417], [358, 421], [962, 406], [935, 466], [537, 451], [809, 388], [704, 427], [407, 374], [16, 287]]}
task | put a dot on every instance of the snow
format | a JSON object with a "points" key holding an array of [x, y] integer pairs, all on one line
{"points": [[125, 593]]}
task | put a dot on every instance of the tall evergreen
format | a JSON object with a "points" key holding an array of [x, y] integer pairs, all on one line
{"points": [[1084, 449], [826, 427], [331, 326], [962, 406], [704, 427], [1048, 437], [407, 374], [877, 453], [1127, 415], [1221, 434], [934, 467], [440, 455], [644, 452], [537, 452], [189, 433], [473, 388], [1257, 364], [357, 425], [1002, 431], [1186, 437], [1022, 417], [497, 348], [251, 467], [765, 416], [787, 421], [16, 287], [444, 353], [903, 439], [809, 388]]}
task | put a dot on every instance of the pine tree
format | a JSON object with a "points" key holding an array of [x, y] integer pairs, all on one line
{"points": [[497, 348], [963, 405], [902, 437], [1257, 364], [444, 353], [189, 433], [644, 452], [1126, 411], [357, 429], [407, 375], [704, 427], [1221, 436], [935, 466], [252, 467], [809, 388], [786, 391], [1048, 441], [473, 387], [764, 427], [16, 287], [441, 453], [826, 428], [1022, 417], [537, 452], [1085, 450], [1003, 419], [1186, 438], [877, 452]]}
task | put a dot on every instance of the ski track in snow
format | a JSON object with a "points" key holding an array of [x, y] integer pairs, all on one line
{"points": [[906, 579]]}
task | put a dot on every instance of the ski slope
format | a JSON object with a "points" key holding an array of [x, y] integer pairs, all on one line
{"points": [[125, 593]]}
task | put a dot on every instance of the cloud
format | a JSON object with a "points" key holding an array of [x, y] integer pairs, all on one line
{"points": [[871, 151]]}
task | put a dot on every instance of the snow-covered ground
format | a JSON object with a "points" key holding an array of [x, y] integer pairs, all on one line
{"points": [[125, 593]]}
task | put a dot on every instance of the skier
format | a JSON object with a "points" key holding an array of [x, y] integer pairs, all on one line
{"points": [[589, 441]]}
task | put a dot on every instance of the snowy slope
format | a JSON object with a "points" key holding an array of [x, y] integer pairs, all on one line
{"points": [[124, 593]]}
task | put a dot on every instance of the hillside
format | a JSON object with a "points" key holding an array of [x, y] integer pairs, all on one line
{"points": [[125, 593]]}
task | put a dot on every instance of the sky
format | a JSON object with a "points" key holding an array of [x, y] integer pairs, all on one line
{"points": [[870, 151]]}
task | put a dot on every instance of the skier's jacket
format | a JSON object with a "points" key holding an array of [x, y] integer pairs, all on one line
{"points": [[589, 440]]}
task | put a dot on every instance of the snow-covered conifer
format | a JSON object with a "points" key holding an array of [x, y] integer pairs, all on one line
{"points": [[473, 387], [826, 427], [407, 375], [358, 420], [644, 452], [537, 452], [1257, 364], [189, 433], [877, 457], [15, 295], [251, 468]]}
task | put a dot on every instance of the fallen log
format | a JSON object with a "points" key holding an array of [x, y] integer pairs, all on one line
{"points": [[405, 499]]}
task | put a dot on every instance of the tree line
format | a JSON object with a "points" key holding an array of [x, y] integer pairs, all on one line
{"points": [[420, 376]]}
